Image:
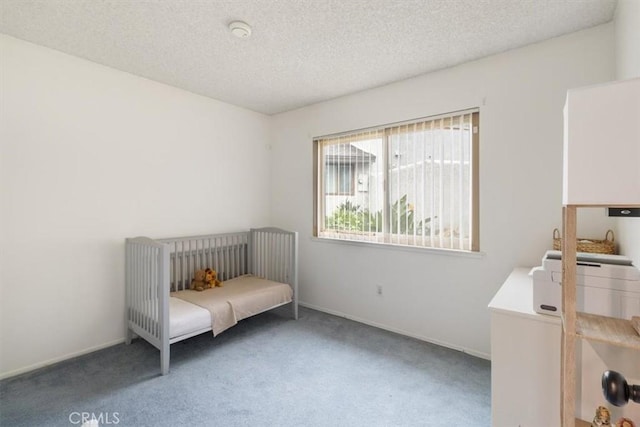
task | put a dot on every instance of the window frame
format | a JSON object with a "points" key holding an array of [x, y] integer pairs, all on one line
{"points": [[474, 186]]}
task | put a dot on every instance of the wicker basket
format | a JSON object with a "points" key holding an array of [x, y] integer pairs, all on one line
{"points": [[606, 246]]}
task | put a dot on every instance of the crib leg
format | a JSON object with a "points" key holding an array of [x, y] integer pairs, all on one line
{"points": [[129, 336], [164, 359], [294, 310]]}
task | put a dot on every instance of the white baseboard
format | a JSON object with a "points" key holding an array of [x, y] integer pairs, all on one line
{"points": [[58, 359], [398, 331]]}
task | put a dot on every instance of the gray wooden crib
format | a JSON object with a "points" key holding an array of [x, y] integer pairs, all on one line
{"points": [[253, 265]]}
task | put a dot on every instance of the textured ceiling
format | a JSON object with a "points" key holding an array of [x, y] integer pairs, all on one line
{"points": [[301, 51]]}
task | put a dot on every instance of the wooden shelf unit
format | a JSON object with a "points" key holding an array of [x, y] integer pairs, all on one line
{"points": [[575, 325]]}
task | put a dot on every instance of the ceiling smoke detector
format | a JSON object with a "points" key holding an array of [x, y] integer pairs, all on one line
{"points": [[240, 29]]}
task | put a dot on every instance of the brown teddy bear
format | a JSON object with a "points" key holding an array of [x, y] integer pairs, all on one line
{"points": [[198, 283], [211, 278]]}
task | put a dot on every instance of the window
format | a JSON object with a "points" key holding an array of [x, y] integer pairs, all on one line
{"points": [[413, 183], [339, 178]]}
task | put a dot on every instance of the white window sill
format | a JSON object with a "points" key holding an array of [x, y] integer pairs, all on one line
{"points": [[385, 246]]}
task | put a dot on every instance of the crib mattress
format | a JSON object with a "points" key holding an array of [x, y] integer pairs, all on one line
{"points": [[240, 298]]}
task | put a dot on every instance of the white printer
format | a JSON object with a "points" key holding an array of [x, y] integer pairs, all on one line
{"points": [[608, 285]]}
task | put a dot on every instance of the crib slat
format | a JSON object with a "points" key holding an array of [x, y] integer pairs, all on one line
{"points": [[137, 283], [278, 256], [269, 256], [238, 255], [191, 265], [200, 252], [264, 249], [143, 281], [245, 254], [143, 278], [216, 258], [230, 256], [133, 253], [151, 293], [198, 245], [239, 247], [183, 267], [228, 244], [209, 254], [261, 253], [276, 251], [192, 256]]}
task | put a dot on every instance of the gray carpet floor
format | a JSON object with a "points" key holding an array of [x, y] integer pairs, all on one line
{"points": [[268, 370]]}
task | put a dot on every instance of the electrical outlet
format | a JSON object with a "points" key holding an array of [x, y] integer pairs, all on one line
{"points": [[379, 289]]}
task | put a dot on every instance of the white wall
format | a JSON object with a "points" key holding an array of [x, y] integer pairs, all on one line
{"points": [[431, 296], [88, 156], [627, 36]]}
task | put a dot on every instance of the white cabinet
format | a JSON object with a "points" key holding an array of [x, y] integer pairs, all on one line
{"points": [[601, 145], [525, 358]]}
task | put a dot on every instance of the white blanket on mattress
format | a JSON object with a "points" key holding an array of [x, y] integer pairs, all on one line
{"points": [[238, 299]]}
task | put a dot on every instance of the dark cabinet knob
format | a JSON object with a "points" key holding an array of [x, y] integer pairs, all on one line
{"points": [[617, 391]]}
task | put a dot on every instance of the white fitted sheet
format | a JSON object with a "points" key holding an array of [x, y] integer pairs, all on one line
{"points": [[185, 317]]}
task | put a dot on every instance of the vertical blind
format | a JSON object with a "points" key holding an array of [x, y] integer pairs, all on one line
{"points": [[405, 184]]}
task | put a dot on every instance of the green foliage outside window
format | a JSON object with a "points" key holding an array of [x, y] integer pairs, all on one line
{"points": [[352, 218]]}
